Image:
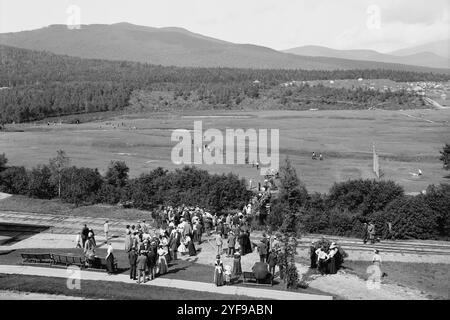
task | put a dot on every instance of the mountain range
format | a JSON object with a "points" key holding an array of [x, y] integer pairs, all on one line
{"points": [[435, 55], [179, 47]]}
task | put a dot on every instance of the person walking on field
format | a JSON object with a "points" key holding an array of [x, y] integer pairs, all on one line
{"points": [[106, 230]]}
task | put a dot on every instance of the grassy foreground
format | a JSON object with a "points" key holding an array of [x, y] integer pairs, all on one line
{"points": [[105, 290]]}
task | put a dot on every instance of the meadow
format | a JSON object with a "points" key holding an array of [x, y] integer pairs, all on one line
{"points": [[405, 141]]}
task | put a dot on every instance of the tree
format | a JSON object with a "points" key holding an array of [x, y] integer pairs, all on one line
{"points": [[3, 162], [445, 156], [80, 185], [57, 166], [14, 180], [40, 185], [293, 193], [117, 174]]}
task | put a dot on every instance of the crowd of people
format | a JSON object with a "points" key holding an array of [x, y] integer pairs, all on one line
{"points": [[180, 229]]}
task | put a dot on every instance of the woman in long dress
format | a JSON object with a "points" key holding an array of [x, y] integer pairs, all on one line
{"points": [[89, 252], [237, 267], [218, 271], [191, 246], [128, 239], [162, 262], [110, 260], [332, 269], [182, 247], [247, 243]]}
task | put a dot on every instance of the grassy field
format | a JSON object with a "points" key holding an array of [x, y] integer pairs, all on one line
{"points": [[405, 140]]}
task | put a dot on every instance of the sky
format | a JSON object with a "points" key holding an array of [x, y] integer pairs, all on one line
{"points": [[382, 25]]}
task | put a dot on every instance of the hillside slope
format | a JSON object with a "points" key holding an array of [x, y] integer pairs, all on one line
{"points": [[174, 47]]}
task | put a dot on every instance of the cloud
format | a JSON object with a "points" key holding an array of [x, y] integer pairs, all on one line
{"points": [[414, 11]]}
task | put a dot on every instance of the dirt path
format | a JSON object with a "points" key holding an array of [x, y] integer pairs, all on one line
{"points": [[4, 195], [344, 285]]}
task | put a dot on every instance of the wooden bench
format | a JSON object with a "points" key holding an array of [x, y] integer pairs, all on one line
{"points": [[60, 259], [100, 264], [249, 278], [44, 258]]}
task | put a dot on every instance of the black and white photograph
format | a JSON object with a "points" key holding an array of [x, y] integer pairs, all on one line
{"points": [[224, 156]]}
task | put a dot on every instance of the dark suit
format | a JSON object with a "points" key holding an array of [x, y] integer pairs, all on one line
{"points": [[132, 257]]}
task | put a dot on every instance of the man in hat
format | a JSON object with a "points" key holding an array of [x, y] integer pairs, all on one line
{"points": [[231, 243], [141, 267], [262, 249], [219, 243], [132, 258], [272, 261]]}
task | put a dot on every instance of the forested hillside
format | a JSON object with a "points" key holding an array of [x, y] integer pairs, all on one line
{"points": [[40, 84]]}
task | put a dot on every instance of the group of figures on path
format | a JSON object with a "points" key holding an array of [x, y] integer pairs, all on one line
{"points": [[270, 252], [86, 240], [326, 259]]}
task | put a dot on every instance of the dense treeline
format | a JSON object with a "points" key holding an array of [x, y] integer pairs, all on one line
{"points": [[188, 186], [42, 84], [348, 205]]}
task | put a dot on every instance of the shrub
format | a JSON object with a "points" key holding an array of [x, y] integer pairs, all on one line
{"points": [[40, 183], [80, 185], [363, 196], [412, 218], [14, 180]]}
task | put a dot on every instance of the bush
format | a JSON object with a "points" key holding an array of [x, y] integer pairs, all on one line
{"points": [[412, 218], [438, 199], [14, 180], [80, 185], [40, 184], [363, 196]]}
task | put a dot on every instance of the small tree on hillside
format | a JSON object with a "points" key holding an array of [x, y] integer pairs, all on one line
{"points": [[57, 165], [293, 194], [117, 174], [445, 156]]}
